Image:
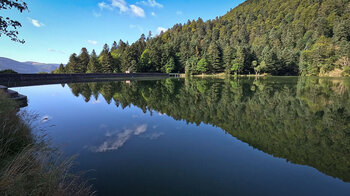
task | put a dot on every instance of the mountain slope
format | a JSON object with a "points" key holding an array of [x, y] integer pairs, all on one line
{"points": [[280, 37], [26, 67]]}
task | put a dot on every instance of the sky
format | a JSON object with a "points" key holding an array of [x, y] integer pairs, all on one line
{"points": [[54, 29]]}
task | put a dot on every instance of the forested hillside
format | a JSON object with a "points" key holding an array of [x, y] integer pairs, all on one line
{"points": [[279, 37]]}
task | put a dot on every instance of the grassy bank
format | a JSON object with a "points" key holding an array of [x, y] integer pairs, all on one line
{"points": [[28, 166], [221, 75]]}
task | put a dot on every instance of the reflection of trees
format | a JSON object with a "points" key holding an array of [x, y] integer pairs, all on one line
{"points": [[305, 120]]}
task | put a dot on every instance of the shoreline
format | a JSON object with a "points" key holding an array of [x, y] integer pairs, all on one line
{"points": [[19, 80], [223, 75], [29, 163]]}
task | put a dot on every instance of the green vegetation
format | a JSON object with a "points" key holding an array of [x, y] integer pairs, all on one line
{"points": [[27, 165], [8, 27], [304, 120], [278, 37], [8, 71]]}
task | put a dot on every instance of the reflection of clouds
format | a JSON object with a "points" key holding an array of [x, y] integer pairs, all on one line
{"points": [[117, 140], [46, 118], [154, 136], [110, 134], [155, 126], [141, 129]]}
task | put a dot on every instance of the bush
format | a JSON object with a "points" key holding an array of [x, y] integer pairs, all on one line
{"points": [[346, 71], [8, 71]]}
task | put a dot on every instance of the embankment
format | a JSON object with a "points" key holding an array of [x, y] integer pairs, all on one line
{"points": [[16, 80]]}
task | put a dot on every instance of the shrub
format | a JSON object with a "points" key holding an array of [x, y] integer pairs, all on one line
{"points": [[28, 166], [7, 71]]}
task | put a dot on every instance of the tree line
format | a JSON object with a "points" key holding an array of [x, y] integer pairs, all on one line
{"points": [[293, 37]]}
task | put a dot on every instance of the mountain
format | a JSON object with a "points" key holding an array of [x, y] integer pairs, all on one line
{"points": [[26, 67], [279, 37]]}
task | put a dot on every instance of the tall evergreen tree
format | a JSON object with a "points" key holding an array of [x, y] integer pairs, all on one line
{"points": [[84, 59], [114, 46], [73, 64], [215, 57], [106, 60], [61, 69], [94, 66]]}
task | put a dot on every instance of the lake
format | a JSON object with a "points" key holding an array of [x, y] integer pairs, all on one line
{"points": [[245, 136]]}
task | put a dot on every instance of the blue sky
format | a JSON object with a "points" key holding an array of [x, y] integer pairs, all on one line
{"points": [[54, 29]]}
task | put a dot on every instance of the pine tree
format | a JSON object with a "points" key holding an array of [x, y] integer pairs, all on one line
{"points": [[215, 57], [84, 59], [202, 66], [149, 37], [73, 64], [170, 66], [61, 69], [106, 60], [114, 46], [228, 52], [94, 65]]}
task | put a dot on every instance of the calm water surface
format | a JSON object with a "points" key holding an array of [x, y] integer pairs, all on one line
{"points": [[271, 136]]}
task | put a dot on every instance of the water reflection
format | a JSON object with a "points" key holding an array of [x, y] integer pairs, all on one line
{"points": [[117, 139], [304, 120]]}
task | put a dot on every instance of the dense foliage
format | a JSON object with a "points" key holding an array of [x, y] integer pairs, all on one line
{"points": [[304, 120], [279, 37]]}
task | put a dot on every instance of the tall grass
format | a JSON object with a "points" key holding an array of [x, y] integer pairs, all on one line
{"points": [[28, 166]]}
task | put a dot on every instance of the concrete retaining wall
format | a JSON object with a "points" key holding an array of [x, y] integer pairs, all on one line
{"points": [[16, 80]]}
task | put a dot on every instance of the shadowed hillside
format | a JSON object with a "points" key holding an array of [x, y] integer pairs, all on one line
{"points": [[26, 67]]}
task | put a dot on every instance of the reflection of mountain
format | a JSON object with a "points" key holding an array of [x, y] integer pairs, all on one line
{"points": [[304, 120]]}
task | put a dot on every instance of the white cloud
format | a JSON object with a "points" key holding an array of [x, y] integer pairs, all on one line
{"points": [[93, 42], [153, 14], [179, 13], [151, 3], [161, 29], [56, 51], [123, 7], [137, 11], [121, 4], [103, 5], [36, 23]]}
